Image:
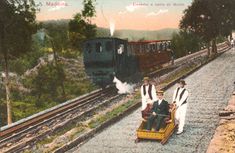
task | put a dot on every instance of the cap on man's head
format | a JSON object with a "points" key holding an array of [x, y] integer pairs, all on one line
{"points": [[160, 92], [182, 82], [146, 78]]}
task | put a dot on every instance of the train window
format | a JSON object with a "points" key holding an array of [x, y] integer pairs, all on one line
{"points": [[156, 46], [88, 47], [129, 50], [152, 47], [132, 49], [120, 49], [98, 47], [161, 47], [109, 46], [139, 48], [145, 48], [165, 46], [148, 47], [135, 48], [169, 45]]}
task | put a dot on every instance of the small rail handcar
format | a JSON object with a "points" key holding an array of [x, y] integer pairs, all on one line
{"points": [[163, 134]]}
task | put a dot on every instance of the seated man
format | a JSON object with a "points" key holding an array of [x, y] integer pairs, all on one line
{"points": [[159, 111]]}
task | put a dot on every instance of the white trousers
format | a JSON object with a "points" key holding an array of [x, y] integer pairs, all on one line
{"points": [[180, 116]]}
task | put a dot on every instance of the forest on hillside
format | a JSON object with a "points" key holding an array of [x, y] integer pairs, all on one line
{"points": [[41, 62]]}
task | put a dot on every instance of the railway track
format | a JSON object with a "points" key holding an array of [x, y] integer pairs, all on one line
{"points": [[56, 117], [182, 61]]}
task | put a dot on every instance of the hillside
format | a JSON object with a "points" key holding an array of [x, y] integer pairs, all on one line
{"points": [[127, 33], [138, 34], [39, 88]]}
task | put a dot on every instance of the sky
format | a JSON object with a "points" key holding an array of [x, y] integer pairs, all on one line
{"points": [[123, 14]]}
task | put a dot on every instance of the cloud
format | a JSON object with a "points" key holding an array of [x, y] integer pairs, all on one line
{"points": [[59, 5], [132, 8], [159, 12], [122, 12]]}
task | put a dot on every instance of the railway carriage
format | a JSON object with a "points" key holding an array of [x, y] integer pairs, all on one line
{"points": [[107, 57], [151, 53]]}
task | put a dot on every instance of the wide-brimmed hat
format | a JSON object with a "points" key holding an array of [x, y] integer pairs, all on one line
{"points": [[146, 78], [160, 92], [182, 81]]}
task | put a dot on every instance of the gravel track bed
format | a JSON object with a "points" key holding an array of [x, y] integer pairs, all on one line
{"points": [[210, 89]]}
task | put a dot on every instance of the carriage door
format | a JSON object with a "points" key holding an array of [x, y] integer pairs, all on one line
{"points": [[120, 58]]}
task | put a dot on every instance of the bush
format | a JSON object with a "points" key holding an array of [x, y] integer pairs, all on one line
{"points": [[29, 60], [184, 42]]}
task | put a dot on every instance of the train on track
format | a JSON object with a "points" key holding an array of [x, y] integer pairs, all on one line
{"points": [[107, 57]]}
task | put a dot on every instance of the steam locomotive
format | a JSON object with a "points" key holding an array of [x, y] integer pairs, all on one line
{"points": [[107, 57]]}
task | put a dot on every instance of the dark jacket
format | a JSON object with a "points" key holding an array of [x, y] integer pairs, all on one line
{"points": [[163, 108]]}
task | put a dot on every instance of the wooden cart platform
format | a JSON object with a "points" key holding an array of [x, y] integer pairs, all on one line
{"points": [[163, 134]]}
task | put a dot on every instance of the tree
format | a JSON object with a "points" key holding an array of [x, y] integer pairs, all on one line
{"points": [[56, 34], [209, 19], [185, 42], [225, 16], [17, 24], [46, 85], [58, 31], [198, 19], [80, 27], [88, 10]]}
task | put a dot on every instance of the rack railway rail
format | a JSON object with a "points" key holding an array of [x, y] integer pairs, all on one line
{"points": [[57, 114]]}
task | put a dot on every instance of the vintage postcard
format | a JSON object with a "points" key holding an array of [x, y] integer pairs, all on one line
{"points": [[109, 76]]}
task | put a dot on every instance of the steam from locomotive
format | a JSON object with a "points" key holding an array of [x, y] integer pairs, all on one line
{"points": [[111, 27], [123, 88]]}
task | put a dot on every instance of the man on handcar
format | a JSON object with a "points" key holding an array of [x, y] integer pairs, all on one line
{"points": [[160, 110]]}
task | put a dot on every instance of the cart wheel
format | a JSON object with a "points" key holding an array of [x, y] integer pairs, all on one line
{"points": [[137, 140]]}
